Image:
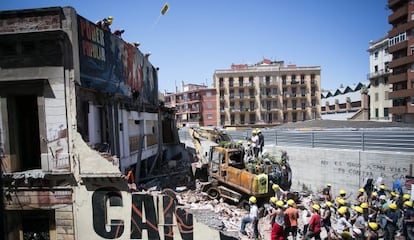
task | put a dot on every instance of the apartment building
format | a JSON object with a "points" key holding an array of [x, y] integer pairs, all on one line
{"points": [[401, 47], [379, 58], [195, 105], [346, 103], [267, 93]]}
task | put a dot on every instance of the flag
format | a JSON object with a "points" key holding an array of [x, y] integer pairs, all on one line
{"points": [[165, 9]]}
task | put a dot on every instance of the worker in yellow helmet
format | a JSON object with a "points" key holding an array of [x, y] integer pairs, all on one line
{"points": [[361, 196], [276, 210], [315, 221], [252, 217], [372, 231], [343, 224], [279, 192], [292, 214], [408, 221], [391, 215]]}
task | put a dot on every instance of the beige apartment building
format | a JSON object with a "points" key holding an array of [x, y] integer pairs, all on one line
{"points": [[379, 58], [267, 93]]}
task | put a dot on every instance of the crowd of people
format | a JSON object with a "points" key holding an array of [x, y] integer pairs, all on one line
{"points": [[370, 215]]}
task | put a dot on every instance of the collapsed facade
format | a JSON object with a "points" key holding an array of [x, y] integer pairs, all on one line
{"points": [[79, 106]]}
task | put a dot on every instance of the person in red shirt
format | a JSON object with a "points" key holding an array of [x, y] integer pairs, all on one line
{"points": [[314, 223], [277, 230]]}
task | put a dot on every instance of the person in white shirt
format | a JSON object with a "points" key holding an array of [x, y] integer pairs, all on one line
{"points": [[252, 217]]}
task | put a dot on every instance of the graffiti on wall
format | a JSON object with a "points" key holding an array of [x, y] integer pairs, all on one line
{"points": [[386, 171], [109, 64], [146, 214]]}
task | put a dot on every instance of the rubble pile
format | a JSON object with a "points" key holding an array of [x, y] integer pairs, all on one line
{"points": [[216, 214]]}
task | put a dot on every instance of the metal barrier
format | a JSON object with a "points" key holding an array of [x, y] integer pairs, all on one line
{"points": [[393, 139]]}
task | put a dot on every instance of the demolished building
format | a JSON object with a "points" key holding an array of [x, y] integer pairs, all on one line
{"points": [[79, 106]]}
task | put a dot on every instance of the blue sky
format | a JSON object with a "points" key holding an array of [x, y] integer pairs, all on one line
{"points": [[195, 38]]}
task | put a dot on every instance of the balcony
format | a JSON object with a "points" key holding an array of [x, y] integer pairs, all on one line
{"points": [[399, 110], [393, 3], [398, 46], [400, 13], [379, 73], [401, 28], [403, 93], [396, 78], [401, 61]]}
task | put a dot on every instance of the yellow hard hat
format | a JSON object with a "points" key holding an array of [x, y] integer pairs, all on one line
{"points": [[240, 141], [346, 235], [408, 204], [341, 201], [361, 190], [275, 187], [258, 130], [273, 200], [373, 226], [364, 205], [252, 199], [406, 196], [394, 194], [374, 194], [328, 203], [248, 143], [382, 186], [342, 210], [110, 17], [316, 207], [328, 185], [358, 209], [290, 202], [280, 203], [342, 192], [392, 206]]}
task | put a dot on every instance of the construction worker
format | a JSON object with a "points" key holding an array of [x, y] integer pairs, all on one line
{"points": [[391, 216], [314, 230], [360, 198], [255, 142], [359, 222], [382, 190], [326, 218], [105, 23], [291, 215], [408, 220], [277, 232], [372, 231], [261, 140], [343, 224], [280, 194], [327, 192], [252, 217]]}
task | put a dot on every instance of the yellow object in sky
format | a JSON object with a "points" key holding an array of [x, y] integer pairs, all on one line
{"points": [[164, 9]]}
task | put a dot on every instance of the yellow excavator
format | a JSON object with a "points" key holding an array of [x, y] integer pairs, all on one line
{"points": [[229, 170]]}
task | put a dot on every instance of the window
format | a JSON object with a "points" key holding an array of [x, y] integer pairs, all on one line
{"points": [[209, 116], [376, 55], [386, 113], [376, 113], [208, 94], [240, 81], [376, 97], [231, 82], [386, 95], [209, 105], [412, 49], [376, 68], [412, 15]]}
